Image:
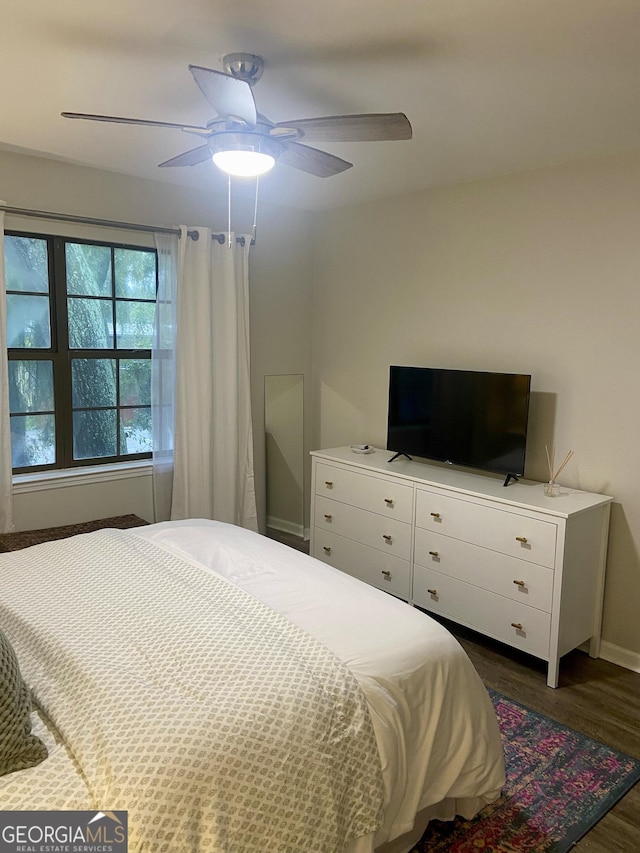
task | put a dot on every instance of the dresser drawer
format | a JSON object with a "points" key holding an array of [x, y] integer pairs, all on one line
{"points": [[520, 536], [520, 626], [386, 497], [375, 567], [527, 583], [387, 534]]}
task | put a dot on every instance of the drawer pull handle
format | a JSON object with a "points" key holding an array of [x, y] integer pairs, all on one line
{"points": [[387, 574], [328, 484], [519, 583], [432, 591], [326, 549], [434, 553], [517, 625], [388, 501], [328, 517], [435, 514], [386, 537], [522, 539]]}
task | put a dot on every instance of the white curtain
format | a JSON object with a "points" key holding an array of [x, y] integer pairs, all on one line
{"points": [[6, 501], [203, 454], [163, 374]]}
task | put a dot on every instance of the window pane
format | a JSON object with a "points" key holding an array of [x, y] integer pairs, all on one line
{"points": [[135, 274], [94, 434], [135, 381], [30, 386], [108, 297], [134, 325], [33, 440], [88, 269], [28, 323], [90, 324], [26, 264], [93, 382], [135, 433]]}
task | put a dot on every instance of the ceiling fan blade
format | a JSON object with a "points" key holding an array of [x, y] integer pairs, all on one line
{"points": [[189, 158], [229, 96], [368, 127], [318, 163], [143, 121]]}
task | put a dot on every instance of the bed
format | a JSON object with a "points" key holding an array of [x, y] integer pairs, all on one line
{"points": [[233, 694]]}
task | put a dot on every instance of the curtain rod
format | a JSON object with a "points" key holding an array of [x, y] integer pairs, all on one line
{"points": [[108, 223]]}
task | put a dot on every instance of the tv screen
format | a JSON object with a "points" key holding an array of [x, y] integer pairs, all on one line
{"points": [[463, 417]]}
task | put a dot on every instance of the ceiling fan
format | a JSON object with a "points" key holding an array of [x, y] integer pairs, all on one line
{"points": [[244, 142]]}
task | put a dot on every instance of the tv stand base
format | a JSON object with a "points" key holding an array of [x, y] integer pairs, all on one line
{"points": [[509, 477], [396, 455]]}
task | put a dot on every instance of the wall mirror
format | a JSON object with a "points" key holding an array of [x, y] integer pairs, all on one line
{"points": [[284, 436]]}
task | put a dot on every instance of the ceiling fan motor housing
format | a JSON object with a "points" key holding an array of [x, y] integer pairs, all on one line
{"points": [[245, 140]]}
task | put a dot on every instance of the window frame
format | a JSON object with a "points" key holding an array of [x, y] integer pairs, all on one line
{"points": [[61, 356]]}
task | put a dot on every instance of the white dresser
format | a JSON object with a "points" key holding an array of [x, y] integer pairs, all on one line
{"points": [[508, 562]]}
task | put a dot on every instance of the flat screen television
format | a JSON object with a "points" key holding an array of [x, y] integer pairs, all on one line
{"points": [[469, 418]]}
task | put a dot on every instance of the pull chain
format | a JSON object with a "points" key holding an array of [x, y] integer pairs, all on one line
{"points": [[229, 209], [255, 211]]}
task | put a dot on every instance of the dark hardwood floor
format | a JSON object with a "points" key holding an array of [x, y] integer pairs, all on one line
{"points": [[594, 697], [288, 539]]}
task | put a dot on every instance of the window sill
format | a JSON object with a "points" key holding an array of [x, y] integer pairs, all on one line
{"points": [[45, 480]]}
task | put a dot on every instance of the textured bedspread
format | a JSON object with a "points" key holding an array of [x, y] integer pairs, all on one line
{"points": [[217, 723]]}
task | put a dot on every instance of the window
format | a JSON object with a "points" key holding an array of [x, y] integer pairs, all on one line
{"points": [[79, 331]]}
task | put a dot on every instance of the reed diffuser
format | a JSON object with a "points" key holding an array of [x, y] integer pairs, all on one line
{"points": [[551, 489]]}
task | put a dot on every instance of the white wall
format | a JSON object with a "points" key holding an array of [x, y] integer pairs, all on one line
{"points": [[281, 330], [70, 500], [534, 273], [280, 314]]}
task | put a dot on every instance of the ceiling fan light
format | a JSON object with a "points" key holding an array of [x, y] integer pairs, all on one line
{"points": [[244, 154], [242, 163]]}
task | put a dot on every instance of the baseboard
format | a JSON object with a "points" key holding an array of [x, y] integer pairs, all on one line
{"points": [[285, 526], [621, 657]]}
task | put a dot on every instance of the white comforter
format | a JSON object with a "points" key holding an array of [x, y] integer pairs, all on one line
{"points": [[434, 724]]}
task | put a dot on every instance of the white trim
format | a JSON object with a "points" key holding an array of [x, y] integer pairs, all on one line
{"points": [[285, 526], [618, 655], [41, 481]]}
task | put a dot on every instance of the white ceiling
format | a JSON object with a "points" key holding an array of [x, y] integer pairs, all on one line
{"points": [[490, 86]]}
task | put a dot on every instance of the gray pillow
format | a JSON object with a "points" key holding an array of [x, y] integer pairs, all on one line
{"points": [[18, 747]]}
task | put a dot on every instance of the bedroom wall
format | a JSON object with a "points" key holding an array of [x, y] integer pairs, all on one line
{"points": [[534, 273], [280, 294]]}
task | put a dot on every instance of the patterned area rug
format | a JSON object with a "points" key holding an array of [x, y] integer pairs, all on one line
{"points": [[559, 784], [16, 541]]}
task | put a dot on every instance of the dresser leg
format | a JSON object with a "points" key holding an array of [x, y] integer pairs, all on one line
{"points": [[594, 646], [553, 672]]}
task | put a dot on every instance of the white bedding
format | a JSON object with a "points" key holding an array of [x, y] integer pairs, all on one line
{"points": [[434, 724]]}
